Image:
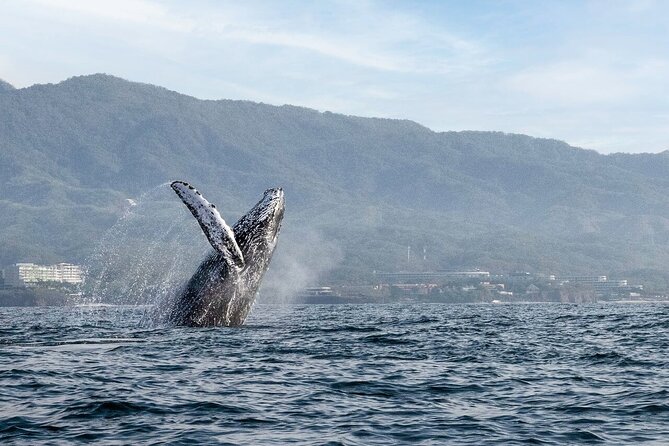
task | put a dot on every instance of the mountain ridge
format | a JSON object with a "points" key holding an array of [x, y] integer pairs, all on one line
{"points": [[6, 86], [91, 141]]}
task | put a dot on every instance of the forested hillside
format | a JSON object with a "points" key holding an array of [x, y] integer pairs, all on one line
{"points": [[71, 153]]}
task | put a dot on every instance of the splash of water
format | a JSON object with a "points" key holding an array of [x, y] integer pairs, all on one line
{"points": [[146, 257], [151, 252]]}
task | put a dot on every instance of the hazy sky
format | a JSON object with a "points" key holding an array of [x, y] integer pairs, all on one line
{"points": [[592, 73]]}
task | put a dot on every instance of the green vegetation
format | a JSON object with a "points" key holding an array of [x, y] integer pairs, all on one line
{"points": [[5, 86], [32, 297], [71, 153]]}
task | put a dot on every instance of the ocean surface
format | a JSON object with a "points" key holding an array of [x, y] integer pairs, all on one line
{"points": [[339, 374]]}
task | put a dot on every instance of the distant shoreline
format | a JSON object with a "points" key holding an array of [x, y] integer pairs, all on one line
{"points": [[31, 298]]}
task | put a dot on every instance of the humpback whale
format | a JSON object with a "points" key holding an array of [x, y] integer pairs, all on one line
{"points": [[222, 290]]}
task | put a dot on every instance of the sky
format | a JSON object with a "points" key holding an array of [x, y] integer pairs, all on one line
{"points": [[592, 73]]}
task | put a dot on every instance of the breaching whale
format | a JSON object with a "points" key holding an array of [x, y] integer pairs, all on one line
{"points": [[222, 290]]}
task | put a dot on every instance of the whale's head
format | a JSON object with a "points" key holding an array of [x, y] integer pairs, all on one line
{"points": [[259, 228], [270, 212]]}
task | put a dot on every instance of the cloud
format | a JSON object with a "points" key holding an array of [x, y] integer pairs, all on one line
{"points": [[344, 51], [378, 47], [139, 12], [573, 83]]}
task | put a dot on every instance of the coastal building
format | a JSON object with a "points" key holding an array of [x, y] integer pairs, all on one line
{"points": [[602, 285], [30, 274], [583, 279]]}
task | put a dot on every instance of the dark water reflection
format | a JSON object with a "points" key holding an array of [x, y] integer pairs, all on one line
{"points": [[458, 374]]}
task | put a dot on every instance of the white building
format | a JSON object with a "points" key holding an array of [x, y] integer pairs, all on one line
{"points": [[583, 279], [30, 274]]}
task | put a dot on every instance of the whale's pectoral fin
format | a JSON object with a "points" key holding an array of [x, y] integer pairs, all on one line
{"points": [[220, 235]]}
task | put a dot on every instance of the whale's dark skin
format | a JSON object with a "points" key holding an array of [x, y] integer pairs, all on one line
{"points": [[223, 289]]}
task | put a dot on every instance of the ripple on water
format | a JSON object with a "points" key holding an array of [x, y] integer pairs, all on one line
{"points": [[457, 374]]}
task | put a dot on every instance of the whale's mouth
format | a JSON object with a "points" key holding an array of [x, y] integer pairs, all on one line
{"points": [[272, 205]]}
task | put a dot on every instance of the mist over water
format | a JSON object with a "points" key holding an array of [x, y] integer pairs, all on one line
{"points": [[340, 374], [302, 258]]}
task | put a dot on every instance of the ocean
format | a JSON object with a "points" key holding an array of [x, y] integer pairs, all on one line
{"points": [[339, 374]]}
